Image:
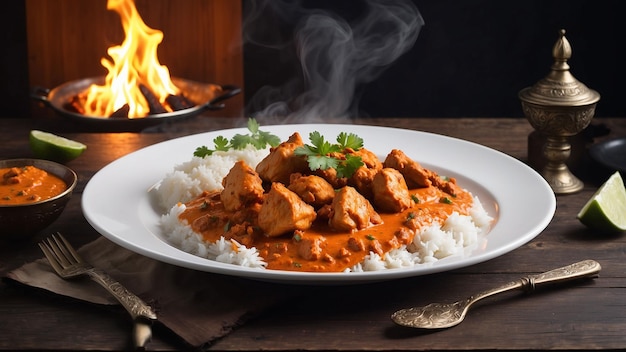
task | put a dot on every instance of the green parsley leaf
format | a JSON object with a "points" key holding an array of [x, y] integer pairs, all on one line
{"points": [[257, 138], [318, 142], [240, 141], [221, 143], [253, 126], [322, 146], [349, 166], [269, 138], [350, 140], [319, 153], [322, 162], [203, 151]]}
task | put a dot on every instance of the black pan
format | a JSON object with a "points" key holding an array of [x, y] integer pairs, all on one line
{"points": [[611, 154], [205, 96]]}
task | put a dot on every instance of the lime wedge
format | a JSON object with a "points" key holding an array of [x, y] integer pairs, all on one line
{"points": [[606, 210], [56, 148]]}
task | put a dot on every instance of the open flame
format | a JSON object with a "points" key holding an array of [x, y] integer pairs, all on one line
{"points": [[135, 65]]}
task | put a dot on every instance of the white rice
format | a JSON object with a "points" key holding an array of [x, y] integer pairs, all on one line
{"points": [[181, 236], [435, 242], [454, 237]]}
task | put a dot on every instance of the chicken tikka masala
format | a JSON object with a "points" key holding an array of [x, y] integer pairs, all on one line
{"points": [[325, 220]]}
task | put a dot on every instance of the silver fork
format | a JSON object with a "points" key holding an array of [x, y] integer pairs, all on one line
{"points": [[69, 265]]}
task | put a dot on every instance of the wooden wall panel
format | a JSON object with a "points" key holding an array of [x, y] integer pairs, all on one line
{"points": [[202, 40]]}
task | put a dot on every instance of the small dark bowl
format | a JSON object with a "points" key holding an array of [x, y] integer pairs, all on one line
{"points": [[24, 220]]}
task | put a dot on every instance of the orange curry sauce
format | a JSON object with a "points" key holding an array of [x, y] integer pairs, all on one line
{"points": [[28, 184], [337, 250]]}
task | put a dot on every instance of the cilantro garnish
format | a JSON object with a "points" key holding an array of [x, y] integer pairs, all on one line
{"points": [[257, 138], [350, 140], [319, 153]]}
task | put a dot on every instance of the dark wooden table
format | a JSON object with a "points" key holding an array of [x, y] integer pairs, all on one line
{"points": [[584, 316]]}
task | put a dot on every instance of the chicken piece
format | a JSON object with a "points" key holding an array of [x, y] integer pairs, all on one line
{"points": [[241, 233], [375, 247], [323, 213], [356, 244], [11, 177], [391, 193], [247, 215], [417, 176], [362, 180], [312, 189], [281, 162], [351, 211], [404, 235], [283, 211], [368, 157], [311, 248], [447, 185], [330, 175], [414, 174], [242, 186]]}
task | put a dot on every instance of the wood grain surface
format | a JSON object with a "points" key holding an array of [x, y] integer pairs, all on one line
{"points": [[582, 316]]}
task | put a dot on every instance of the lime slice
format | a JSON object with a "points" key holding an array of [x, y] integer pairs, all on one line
{"points": [[56, 148], [606, 210]]}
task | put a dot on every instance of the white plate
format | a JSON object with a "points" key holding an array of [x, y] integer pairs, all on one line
{"points": [[116, 201]]}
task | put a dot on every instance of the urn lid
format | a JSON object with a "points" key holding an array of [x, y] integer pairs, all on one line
{"points": [[559, 87]]}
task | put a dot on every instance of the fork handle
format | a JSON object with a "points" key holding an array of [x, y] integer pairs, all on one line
{"points": [[134, 305]]}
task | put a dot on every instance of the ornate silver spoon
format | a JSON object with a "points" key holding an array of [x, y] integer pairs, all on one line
{"points": [[445, 315]]}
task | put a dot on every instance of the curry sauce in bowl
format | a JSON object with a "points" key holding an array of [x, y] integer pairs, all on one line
{"points": [[33, 193]]}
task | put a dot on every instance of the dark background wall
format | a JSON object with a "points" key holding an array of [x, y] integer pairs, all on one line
{"points": [[14, 90], [471, 58]]}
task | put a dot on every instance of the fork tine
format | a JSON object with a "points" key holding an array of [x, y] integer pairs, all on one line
{"points": [[70, 250], [59, 253], [51, 257]]}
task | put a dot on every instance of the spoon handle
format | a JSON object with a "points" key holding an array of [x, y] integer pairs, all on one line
{"points": [[582, 269], [585, 268]]}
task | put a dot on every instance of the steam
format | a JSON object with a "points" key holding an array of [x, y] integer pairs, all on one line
{"points": [[336, 56]]}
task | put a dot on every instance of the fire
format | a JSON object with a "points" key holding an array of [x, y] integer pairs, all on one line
{"points": [[135, 63]]}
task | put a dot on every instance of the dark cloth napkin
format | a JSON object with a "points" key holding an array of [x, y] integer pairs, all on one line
{"points": [[200, 307]]}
